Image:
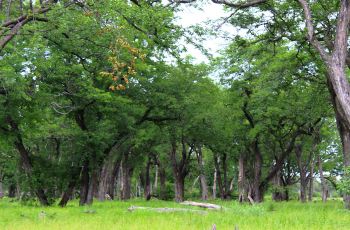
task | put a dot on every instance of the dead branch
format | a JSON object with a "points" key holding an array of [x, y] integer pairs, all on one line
{"points": [[132, 208]]}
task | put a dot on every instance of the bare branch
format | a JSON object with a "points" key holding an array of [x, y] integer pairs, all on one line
{"points": [[310, 35], [242, 5]]}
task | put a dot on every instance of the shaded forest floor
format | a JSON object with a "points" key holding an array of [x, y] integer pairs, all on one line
{"points": [[114, 215]]}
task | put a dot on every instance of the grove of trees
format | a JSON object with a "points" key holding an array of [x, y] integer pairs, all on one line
{"points": [[98, 100]]}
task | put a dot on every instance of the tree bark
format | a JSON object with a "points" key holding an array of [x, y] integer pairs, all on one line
{"points": [[92, 187], [303, 184], [323, 183], [179, 168], [204, 186], [218, 175], [311, 187], [71, 185], [2, 194], [241, 180], [162, 178], [224, 168], [84, 185], [112, 179]]}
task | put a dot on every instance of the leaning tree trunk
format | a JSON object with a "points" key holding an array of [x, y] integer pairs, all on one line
{"points": [[323, 183], [75, 173]]}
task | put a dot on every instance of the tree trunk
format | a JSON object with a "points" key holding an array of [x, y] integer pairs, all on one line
{"points": [[179, 187], [323, 183], [102, 185], [224, 168], [194, 184], [218, 175], [145, 181], [241, 180], [2, 194], [112, 179], [84, 185], [28, 166], [179, 168], [92, 187], [204, 186], [257, 191], [303, 184], [67, 194], [311, 187], [277, 195], [71, 185], [214, 184], [162, 179]]}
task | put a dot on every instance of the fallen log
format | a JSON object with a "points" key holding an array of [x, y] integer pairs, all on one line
{"points": [[204, 205], [132, 208]]}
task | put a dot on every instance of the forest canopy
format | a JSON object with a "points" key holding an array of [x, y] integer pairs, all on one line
{"points": [[99, 100]]}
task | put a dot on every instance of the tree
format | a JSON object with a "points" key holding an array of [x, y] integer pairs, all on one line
{"points": [[330, 42]]}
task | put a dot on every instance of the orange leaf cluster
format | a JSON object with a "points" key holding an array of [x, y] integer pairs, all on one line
{"points": [[121, 70]]}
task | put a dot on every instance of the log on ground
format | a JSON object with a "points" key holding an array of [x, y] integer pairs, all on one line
{"points": [[132, 208], [204, 205]]}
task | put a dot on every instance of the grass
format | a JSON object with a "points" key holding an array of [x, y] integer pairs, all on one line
{"points": [[114, 215]]}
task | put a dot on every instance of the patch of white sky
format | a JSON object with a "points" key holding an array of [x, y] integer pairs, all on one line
{"points": [[191, 16]]}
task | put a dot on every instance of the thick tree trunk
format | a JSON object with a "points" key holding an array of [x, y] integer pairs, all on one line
{"points": [[84, 185], [102, 185], [323, 183], [112, 179], [276, 194], [179, 187], [92, 187], [344, 132]]}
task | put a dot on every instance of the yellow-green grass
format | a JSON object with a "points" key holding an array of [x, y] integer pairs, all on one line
{"points": [[114, 215]]}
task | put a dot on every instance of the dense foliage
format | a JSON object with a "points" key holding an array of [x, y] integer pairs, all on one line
{"points": [[97, 98]]}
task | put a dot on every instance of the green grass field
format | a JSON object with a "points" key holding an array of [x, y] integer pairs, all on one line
{"points": [[114, 215]]}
